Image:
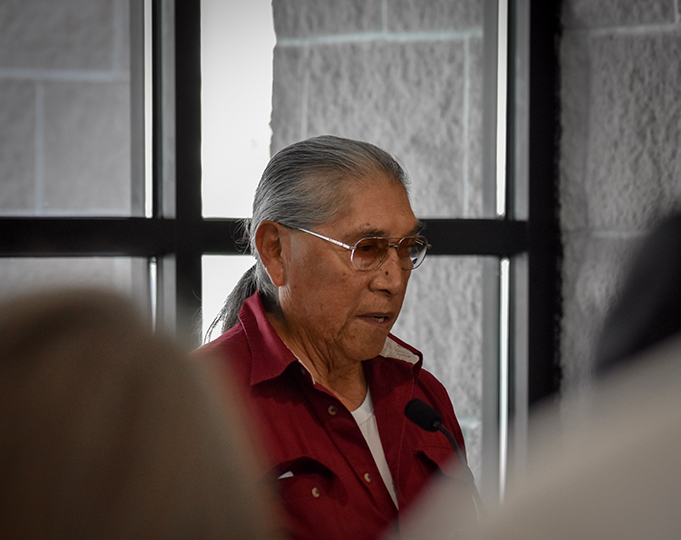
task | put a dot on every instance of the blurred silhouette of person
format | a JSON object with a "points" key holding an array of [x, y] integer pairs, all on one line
{"points": [[612, 469], [648, 308], [108, 431], [612, 473], [604, 466]]}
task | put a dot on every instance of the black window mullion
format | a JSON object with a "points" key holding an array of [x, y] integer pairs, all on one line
{"points": [[91, 236], [544, 243], [189, 224], [500, 237], [158, 109]]}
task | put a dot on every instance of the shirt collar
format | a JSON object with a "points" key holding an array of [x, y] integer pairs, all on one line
{"points": [[397, 349], [271, 357]]}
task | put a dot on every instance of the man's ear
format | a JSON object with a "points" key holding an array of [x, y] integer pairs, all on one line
{"points": [[271, 241]]}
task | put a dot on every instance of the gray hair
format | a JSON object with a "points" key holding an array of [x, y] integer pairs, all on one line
{"points": [[128, 380], [301, 188]]}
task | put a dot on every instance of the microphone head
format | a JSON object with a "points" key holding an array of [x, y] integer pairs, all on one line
{"points": [[423, 415]]}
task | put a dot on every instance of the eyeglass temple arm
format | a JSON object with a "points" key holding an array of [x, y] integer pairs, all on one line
{"points": [[336, 242]]}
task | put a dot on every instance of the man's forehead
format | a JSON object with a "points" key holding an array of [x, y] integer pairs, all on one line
{"points": [[379, 207]]}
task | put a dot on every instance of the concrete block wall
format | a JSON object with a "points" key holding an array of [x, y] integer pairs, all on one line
{"points": [[405, 75], [620, 155], [64, 126]]}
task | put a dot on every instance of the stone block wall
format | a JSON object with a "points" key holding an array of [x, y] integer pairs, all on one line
{"points": [[405, 75], [620, 155]]}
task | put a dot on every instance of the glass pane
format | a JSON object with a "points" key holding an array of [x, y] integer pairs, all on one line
{"points": [[128, 276], [237, 39], [65, 146], [442, 317], [220, 275]]}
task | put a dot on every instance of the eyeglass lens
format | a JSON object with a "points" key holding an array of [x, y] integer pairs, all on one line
{"points": [[370, 252]]}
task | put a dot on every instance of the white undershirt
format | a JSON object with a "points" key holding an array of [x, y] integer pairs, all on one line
{"points": [[366, 420]]}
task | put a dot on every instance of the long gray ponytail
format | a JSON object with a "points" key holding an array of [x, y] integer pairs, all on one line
{"points": [[300, 188]]}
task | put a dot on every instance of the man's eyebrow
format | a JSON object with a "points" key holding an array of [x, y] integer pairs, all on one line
{"points": [[367, 233]]}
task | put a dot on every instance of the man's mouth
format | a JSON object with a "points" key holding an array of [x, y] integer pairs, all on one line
{"points": [[379, 318]]}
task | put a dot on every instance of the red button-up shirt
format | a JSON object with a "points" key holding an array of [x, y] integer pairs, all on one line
{"points": [[328, 480]]}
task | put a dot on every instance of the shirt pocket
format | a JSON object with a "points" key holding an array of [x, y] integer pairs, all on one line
{"points": [[442, 466], [435, 457], [306, 478]]}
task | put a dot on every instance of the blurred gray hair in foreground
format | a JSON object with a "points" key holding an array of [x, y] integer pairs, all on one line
{"points": [[111, 432]]}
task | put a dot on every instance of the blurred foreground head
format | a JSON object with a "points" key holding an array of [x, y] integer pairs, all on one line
{"points": [[608, 467], [108, 431], [648, 308]]}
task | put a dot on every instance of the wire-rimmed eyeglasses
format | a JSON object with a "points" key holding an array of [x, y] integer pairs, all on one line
{"points": [[369, 253]]}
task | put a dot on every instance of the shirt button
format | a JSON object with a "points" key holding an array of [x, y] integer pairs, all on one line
{"points": [[315, 493], [332, 410], [367, 477]]}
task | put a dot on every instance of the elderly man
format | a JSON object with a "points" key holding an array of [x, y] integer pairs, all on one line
{"points": [[308, 340]]}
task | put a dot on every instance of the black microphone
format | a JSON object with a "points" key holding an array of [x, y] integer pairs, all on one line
{"points": [[423, 415], [426, 417]]}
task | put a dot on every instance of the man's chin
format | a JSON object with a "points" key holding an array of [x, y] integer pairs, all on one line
{"points": [[375, 349]]}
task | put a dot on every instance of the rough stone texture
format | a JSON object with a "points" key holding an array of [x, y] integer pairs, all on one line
{"points": [[405, 97], [19, 276], [17, 146], [67, 34], [473, 198], [87, 148], [635, 128], [595, 13], [433, 15], [304, 18], [620, 94]]}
